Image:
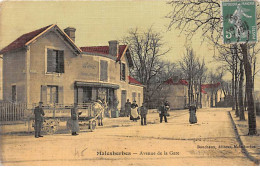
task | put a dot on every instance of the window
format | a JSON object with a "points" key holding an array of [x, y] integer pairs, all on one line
{"points": [[122, 71], [52, 94], [55, 61], [13, 93], [139, 99], [134, 96], [87, 94], [103, 70]]}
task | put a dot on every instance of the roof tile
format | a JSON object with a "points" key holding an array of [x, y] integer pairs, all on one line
{"points": [[22, 40], [133, 81], [103, 50]]}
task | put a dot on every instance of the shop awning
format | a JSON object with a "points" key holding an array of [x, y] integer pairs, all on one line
{"points": [[96, 84]]}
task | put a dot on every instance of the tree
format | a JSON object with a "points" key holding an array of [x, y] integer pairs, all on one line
{"points": [[202, 69], [204, 16], [146, 51], [190, 67]]}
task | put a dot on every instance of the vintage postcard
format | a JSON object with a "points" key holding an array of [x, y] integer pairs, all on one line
{"points": [[129, 83]]}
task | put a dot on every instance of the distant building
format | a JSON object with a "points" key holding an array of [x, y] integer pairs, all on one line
{"points": [[176, 93], [46, 65]]}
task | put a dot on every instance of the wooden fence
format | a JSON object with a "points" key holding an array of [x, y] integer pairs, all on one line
{"points": [[21, 111], [12, 111]]}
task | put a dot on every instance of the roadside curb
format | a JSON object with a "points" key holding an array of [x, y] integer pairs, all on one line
{"points": [[244, 150]]}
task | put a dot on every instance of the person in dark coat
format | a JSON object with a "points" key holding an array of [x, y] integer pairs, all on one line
{"points": [[38, 113], [127, 108], [192, 111], [162, 111], [74, 119], [143, 112]]}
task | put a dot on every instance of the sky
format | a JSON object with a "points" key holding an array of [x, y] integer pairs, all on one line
{"points": [[97, 22]]}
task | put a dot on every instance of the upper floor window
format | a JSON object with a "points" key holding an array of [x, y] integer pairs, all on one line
{"points": [[103, 70], [122, 71], [55, 61]]}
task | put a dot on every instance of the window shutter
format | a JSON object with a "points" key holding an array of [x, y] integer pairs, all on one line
{"points": [[49, 60], [60, 94], [61, 61], [123, 71], [103, 70], [120, 71], [44, 94]]}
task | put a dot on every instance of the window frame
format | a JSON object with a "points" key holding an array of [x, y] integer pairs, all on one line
{"points": [[51, 94], [100, 71], [121, 71], [46, 60], [14, 101]]}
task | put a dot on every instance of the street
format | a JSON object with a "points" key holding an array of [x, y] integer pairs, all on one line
{"points": [[120, 141]]}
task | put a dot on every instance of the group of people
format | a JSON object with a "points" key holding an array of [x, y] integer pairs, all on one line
{"points": [[131, 110], [98, 108]]}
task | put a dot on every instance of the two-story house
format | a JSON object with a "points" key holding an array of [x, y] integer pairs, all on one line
{"points": [[46, 65]]}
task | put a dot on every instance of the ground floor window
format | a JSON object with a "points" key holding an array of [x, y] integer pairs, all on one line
{"points": [[139, 99], [134, 96], [14, 93], [88, 94], [52, 94]]}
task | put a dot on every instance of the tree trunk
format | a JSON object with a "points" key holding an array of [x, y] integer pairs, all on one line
{"points": [[200, 95], [236, 79], [240, 92], [233, 83], [249, 91], [245, 102]]}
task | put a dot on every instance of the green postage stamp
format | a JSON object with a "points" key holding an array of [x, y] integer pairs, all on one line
{"points": [[239, 22]]}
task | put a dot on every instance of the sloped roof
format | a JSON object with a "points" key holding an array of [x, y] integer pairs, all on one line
{"points": [[27, 38], [22, 40], [103, 50], [208, 86], [180, 82], [134, 81]]}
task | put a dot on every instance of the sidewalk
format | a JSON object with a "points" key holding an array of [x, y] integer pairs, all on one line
{"points": [[251, 143]]}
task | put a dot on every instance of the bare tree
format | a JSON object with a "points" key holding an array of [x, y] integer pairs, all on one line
{"points": [[204, 16], [190, 67], [146, 51]]}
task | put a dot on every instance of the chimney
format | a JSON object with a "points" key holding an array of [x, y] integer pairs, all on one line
{"points": [[70, 31], [113, 47]]}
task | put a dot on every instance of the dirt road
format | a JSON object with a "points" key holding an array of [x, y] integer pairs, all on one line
{"points": [[122, 142]]}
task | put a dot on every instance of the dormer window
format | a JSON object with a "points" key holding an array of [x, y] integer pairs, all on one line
{"points": [[55, 61]]}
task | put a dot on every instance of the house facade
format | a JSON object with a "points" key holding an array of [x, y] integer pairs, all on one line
{"points": [[46, 65], [176, 93]]}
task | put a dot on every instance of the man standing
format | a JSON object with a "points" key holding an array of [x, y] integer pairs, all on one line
{"points": [[127, 108], [162, 111], [74, 119], [143, 113], [38, 113]]}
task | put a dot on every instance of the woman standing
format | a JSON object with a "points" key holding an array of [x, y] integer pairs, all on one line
{"points": [[134, 113], [193, 117], [75, 121]]}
